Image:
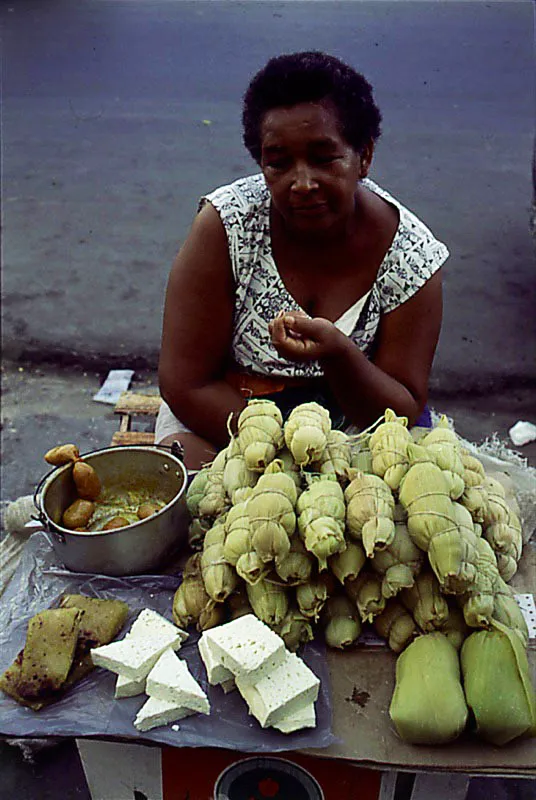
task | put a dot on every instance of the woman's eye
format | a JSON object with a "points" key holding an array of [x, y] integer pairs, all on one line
{"points": [[324, 159]]}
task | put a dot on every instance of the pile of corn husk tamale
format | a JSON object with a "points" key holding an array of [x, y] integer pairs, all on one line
{"points": [[312, 529]]}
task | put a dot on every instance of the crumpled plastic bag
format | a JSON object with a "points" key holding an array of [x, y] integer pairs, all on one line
{"points": [[90, 708]]}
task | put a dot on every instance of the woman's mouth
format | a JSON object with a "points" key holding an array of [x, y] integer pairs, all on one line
{"points": [[310, 209]]}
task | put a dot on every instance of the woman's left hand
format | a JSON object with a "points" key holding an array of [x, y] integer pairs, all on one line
{"points": [[299, 337]]}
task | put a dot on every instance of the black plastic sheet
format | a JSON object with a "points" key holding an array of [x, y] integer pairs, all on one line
{"points": [[90, 709]]}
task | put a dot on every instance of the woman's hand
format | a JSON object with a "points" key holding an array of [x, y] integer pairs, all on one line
{"points": [[298, 337]]}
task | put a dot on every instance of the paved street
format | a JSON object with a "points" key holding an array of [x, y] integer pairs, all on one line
{"points": [[119, 114]]}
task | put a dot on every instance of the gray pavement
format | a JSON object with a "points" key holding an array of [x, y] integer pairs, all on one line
{"points": [[106, 149]]}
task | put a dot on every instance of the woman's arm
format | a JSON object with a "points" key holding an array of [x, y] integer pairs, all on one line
{"points": [[396, 377], [197, 331]]}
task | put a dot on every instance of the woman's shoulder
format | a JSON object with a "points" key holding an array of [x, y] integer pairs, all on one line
{"points": [[239, 198]]}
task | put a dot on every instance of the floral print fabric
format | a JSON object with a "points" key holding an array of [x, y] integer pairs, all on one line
{"points": [[244, 206]]}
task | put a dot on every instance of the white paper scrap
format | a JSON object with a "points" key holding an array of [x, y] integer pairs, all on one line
{"points": [[528, 609], [522, 432], [117, 381]]}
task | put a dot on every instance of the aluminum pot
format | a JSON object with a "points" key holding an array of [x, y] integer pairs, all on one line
{"points": [[133, 550]]}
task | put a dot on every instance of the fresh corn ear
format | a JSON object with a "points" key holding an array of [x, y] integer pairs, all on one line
{"points": [[428, 704], [497, 685]]}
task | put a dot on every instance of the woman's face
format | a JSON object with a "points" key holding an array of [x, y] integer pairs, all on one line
{"points": [[310, 169]]}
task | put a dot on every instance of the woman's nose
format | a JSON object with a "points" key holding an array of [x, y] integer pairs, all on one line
{"points": [[303, 179]]}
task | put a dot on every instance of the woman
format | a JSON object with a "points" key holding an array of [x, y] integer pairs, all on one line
{"points": [[306, 281]]}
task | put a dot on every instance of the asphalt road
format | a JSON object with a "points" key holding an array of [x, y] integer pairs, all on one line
{"points": [[119, 114]]}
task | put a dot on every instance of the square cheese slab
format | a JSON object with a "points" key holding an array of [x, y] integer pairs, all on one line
{"points": [[155, 713], [171, 680], [131, 657], [245, 646], [281, 691], [304, 718], [153, 625], [216, 672]]}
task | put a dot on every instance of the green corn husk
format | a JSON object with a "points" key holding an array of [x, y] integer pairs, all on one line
{"points": [[475, 494], [389, 448], [366, 594], [311, 597], [290, 468], [455, 628], [453, 555], [361, 458], [251, 568], [196, 490], [340, 621], [424, 494], [398, 563], [237, 476], [211, 616], [336, 458], [271, 513], [269, 602], [497, 508], [237, 604], [214, 501], [347, 564], [497, 684], [306, 432], [428, 704], [297, 566], [238, 533], [295, 629], [479, 601], [426, 602], [321, 517], [369, 511], [507, 612], [197, 531], [396, 625], [443, 443], [190, 599], [260, 433], [219, 577]]}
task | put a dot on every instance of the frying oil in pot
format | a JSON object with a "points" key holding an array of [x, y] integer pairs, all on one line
{"points": [[121, 503]]}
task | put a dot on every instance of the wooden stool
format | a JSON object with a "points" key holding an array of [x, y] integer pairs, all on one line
{"points": [[129, 406]]}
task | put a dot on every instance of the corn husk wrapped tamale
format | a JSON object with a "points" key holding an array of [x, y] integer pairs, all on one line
{"points": [[311, 597], [336, 457], [475, 494], [196, 490], [428, 704], [445, 447], [321, 519], [347, 564], [297, 566], [268, 601], [191, 602], [366, 594], [389, 448], [399, 562], [295, 629], [340, 620], [306, 432], [260, 433], [426, 602], [219, 577], [369, 511], [396, 625], [507, 612], [497, 685], [455, 628], [237, 604], [271, 513], [478, 602]]}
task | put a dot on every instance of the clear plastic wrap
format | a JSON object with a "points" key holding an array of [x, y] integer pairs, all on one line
{"points": [[90, 709]]}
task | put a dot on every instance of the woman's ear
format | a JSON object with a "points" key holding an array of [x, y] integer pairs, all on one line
{"points": [[366, 159]]}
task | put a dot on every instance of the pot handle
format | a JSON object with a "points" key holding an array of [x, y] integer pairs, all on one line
{"points": [[37, 501]]}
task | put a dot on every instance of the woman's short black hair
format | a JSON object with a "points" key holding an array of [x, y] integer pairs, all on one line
{"points": [[306, 77]]}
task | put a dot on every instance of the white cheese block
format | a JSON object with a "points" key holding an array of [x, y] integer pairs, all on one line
{"points": [[304, 718], [152, 625], [170, 679], [125, 687], [132, 657], [156, 712], [245, 646], [281, 691], [216, 672]]}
